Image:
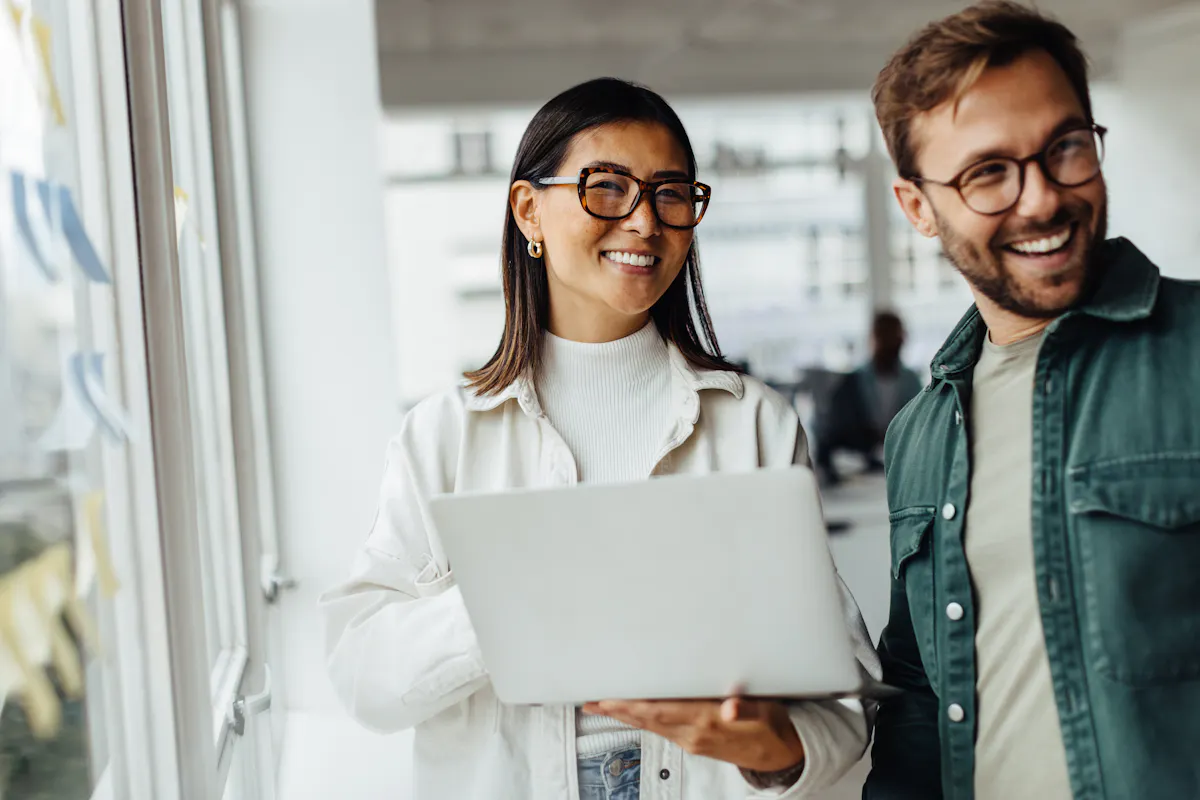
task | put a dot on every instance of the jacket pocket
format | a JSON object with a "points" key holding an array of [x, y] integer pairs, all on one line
{"points": [[912, 563], [1137, 522]]}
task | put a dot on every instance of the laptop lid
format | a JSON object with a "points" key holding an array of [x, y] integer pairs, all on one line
{"points": [[676, 587]]}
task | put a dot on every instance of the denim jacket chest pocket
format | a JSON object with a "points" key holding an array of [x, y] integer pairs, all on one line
{"points": [[1137, 524], [913, 563]]}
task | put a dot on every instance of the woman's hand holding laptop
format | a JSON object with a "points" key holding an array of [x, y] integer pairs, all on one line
{"points": [[756, 735]]}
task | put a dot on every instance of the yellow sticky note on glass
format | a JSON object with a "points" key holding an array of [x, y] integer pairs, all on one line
{"points": [[93, 515], [182, 205], [35, 690], [181, 210], [42, 37], [50, 587]]}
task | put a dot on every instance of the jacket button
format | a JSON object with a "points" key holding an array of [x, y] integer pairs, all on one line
{"points": [[958, 418], [956, 713], [948, 511], [954, 611], [664, 774]]}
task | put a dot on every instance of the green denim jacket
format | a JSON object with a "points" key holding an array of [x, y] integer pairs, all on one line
{"points": [[1116, 538]]}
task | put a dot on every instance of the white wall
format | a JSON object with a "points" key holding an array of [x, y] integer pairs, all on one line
{"points": [[1153, 162], [438, 247], [314, 118]]}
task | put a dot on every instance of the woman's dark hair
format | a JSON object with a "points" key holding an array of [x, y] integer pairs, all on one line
{"points": [[680, 315]]}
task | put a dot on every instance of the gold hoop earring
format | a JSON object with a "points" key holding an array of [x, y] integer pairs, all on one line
{"points": [[534, 248]]}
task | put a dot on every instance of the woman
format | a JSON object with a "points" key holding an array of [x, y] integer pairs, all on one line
{"points": [[608, 370]]}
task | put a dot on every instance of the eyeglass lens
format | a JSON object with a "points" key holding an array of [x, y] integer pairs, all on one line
{"points": [[995, 185], [613, 196]]}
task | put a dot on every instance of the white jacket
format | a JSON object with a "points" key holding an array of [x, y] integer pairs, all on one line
{"points": [[401, 651]]}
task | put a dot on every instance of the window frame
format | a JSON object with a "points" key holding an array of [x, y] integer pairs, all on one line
{"points": [[222, 199], [192, 769]]}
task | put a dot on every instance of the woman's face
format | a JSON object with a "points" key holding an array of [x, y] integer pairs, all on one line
{"points": [[595, 293]]}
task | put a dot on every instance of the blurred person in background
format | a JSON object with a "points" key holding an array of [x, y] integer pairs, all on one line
{"points": [[865, 401], [1045, 490], [604, 373]]}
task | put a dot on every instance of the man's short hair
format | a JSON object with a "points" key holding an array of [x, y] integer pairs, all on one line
{"points": [[945, 59]]}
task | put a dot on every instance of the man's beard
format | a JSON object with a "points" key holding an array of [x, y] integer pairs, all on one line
{"points": [[987, 272]]}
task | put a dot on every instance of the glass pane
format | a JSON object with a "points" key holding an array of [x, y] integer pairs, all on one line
{"points": [[204, 331], [55, 412]]}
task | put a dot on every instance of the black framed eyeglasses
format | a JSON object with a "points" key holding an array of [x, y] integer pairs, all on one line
{"points": [[612, 194], [994, 185]]}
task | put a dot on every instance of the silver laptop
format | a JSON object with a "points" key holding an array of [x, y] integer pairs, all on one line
{"points": [[676, 587]]}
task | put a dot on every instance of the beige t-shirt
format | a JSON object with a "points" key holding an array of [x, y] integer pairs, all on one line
{"points": [[1019, 751]]}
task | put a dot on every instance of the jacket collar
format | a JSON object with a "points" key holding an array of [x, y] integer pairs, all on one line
{"points": [[1127, 292], [1129, 287], [687, 381]]}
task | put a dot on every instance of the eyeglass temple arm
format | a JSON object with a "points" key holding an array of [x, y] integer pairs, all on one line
{"points": [[558, 181]]}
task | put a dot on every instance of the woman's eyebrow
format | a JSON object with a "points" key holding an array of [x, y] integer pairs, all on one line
{"points": [[662, 173]]}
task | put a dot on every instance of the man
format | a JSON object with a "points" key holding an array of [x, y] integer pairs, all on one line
{"points": [[865, 401], [1045, 488]]}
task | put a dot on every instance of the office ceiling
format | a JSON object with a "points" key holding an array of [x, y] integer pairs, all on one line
{"points": [[466, 52]]}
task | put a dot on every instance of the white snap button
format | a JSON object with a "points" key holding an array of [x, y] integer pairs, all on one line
{"points": [[948, 511], [956, 713], [954, 611]]}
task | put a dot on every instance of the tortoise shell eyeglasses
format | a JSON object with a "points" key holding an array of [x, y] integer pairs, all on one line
{"points": [[611, 194]]}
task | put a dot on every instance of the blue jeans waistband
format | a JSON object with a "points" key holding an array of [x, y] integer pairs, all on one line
{"points": [[615, 775]]}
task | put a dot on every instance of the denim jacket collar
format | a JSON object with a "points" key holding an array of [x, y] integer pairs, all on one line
{"points": [[1127, 292]]}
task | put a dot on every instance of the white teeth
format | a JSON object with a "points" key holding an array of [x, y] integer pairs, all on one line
{"points": [[631, 259], [1042, 245]]}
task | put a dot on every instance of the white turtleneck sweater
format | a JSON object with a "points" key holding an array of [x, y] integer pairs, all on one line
{"points": [[611, 402]]}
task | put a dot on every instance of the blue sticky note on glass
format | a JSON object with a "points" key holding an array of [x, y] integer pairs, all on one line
{"points": [[91, 365], [25, 227], [81, 246]]}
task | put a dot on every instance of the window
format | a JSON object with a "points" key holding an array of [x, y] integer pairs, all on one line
{"points": [[64, 421], [88, 307], [207, 354], [472, 152], [221, 349]]}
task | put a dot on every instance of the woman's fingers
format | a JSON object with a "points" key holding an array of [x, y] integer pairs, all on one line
{"points": [[742, 709], [731, 709]]}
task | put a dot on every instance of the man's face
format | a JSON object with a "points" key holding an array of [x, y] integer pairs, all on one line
{"points": [[1033, 260]]}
